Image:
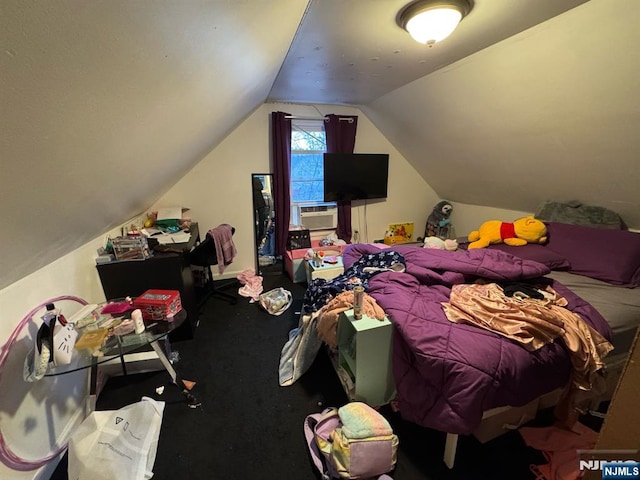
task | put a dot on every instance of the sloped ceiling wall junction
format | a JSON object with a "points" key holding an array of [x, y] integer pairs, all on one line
{"points": [[549, 114], [105, 105]]}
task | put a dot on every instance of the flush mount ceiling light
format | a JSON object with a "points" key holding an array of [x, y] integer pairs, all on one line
{"points": [[430, 21]]}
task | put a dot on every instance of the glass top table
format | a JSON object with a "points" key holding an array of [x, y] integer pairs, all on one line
{"points": [[119, 346]]}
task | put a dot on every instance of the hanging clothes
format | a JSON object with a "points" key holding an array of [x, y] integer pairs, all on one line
{"points": [[225, 248]]}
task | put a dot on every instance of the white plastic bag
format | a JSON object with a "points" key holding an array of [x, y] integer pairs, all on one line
{"points": [[117, 444], [276, 301]]}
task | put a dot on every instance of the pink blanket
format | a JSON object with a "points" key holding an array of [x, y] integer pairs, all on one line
{"points": [[559, 446]]}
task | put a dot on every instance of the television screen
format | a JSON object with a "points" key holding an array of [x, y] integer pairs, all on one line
{"points": [[355, 176]]}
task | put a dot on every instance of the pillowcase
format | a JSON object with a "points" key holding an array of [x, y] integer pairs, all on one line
{"points": [[537, 253], [612, 256]]}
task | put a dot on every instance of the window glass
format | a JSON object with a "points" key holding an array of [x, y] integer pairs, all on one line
{"points": [[308, 143]]}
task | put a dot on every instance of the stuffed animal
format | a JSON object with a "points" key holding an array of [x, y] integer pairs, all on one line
{"points": [[438, 221], [437, 243], [390, 238], [522, 231]]}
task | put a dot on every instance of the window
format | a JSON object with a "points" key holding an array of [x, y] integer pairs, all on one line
{"points": [[308, 208], [308, 143]]}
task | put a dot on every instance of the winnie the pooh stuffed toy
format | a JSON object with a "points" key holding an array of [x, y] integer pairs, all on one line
{"points": [[522, 231]]}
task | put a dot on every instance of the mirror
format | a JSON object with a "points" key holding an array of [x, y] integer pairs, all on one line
{"points": [[264, 224]]}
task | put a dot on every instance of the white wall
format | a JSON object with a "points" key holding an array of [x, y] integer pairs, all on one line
{"points": [[36, 416], [218, 189], [410, 198], [466, 218], [549, 114], [106, 104]]}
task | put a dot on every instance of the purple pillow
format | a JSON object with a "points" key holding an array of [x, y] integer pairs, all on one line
{"points": [[537, 253], [612, 256]]}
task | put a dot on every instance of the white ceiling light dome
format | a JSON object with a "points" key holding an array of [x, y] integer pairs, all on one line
{"points": [[431, 21]]}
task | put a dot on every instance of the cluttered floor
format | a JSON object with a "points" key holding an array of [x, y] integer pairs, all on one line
{"points": [[249, 427]]}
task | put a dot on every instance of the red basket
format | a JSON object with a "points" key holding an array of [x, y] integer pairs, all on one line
{"points": [[159, 304]]}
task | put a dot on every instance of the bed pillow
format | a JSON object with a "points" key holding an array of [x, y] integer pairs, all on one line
{"points": [[612, 256], [537, 253]]}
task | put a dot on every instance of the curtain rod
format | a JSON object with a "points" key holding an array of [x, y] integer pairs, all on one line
{"points": [[301, 117]]}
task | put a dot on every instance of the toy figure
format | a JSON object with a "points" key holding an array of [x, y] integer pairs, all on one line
{"points": [[522, 231], [438, 223], [436, 243]]}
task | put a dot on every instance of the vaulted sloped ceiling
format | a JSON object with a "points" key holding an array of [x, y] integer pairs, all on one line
{"points": [[354, 52], [550, 114], [104, 105]]}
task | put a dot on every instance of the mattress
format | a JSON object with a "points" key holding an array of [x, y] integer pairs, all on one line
{"points": [[619, 306], [447, 374]]}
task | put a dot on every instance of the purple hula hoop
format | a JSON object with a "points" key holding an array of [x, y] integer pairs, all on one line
{"points": [[7, 456]]}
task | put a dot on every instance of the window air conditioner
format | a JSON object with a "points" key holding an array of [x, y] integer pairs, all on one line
{"points": [[318, 217]]}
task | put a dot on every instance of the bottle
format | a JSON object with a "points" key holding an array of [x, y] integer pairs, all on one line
{"points": [[138, 323], [358, 299]]}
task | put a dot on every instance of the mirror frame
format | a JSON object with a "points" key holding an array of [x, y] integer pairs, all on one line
{"points": [[259, 269]]}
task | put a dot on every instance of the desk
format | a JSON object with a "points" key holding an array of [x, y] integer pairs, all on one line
{"points": [[168, 269], [118, 347]]}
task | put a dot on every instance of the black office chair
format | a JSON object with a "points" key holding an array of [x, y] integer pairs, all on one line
{"points": [[204, 256]]}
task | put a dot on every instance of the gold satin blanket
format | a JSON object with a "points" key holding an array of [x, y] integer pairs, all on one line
{"points": [[533, 323]]}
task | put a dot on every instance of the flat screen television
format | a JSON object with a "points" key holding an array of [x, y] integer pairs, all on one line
{"points": [[355, 176]]}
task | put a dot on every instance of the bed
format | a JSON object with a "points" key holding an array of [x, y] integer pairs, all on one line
{"points": [[448, 376]]}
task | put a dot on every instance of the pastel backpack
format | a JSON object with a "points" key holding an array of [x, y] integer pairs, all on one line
{"points": [[351, 442]]}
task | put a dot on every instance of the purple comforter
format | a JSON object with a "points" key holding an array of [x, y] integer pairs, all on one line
{"points": [[448, 374]]}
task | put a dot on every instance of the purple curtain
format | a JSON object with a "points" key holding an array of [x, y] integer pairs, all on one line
{"points": [[341, 138], [281, 156]]}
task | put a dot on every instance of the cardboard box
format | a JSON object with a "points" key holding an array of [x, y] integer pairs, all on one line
{"points": [[394, 239], [295, 267], [399, 233], [159, 304]]}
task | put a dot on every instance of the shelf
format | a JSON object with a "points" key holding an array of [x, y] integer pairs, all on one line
{"points": [[364, 356], [350, 361], [347, 382]]}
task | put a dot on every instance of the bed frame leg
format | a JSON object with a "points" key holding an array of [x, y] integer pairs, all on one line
{"points": [[450, 446]]}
